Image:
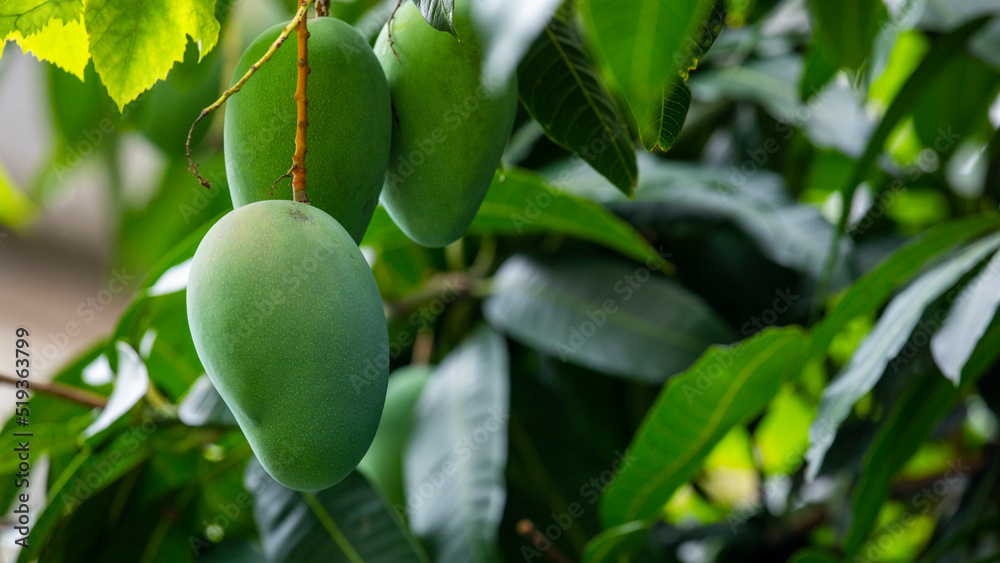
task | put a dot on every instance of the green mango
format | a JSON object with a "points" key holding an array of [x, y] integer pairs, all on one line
{"points": [[449, 130], [383, 464], [349, 124], [288, 322]]}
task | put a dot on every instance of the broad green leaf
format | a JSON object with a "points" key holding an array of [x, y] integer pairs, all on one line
{"points": [[438, 13], [28, 17], [609, 315], [884, 343], [63, 44], [618, 543], [845, 30], [967, 321], [454, 463], [131, 384], [970, 86], [925, 401], [870, 292], [670, 111], [520, 202], [726, 387], [349, 522], [134, 43], [645, 43], [559, 87]]}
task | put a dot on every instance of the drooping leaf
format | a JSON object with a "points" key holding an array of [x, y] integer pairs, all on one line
{"points": [[609, 315], [870, 292], [726, 387], [670, 111], [349, 522], [967, 321], [63, 44], [135, 43], [616, 543], [645, 43], [520, 203], [884, 343], [925, 401], [438, 13], [131, 384], [28, 17], [560, 88], [454, 463]]}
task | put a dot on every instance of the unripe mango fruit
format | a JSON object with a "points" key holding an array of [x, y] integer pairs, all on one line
{"points": [[349, 124], [289, 324], [449, 130], [383, 464]]}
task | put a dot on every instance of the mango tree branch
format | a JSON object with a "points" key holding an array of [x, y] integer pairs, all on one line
{"points": [[80, 396], [300, 16], [301, 103]]}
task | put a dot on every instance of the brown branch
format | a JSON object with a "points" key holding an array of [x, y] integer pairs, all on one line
{"points": [[322, 8], [62, 391], [300, 17], [530, 532], [302, 114], [388, 28]]}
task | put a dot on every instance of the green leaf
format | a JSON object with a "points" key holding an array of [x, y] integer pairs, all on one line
{"points": [[884, 343], [64, 44], [349, 522], [520, 202], [28, 17], [16, 210], [131, 384], [643, 43], [813, 555], [726, 387], [870, 292], [438, 13], [969, 85], [606, 314], [670, 111], [618, 543], [559, 87], [134, 43], [454, 463], [845, 30], [923, 403], [968, 319]]}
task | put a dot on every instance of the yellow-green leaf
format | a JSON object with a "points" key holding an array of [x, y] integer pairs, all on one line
{"points": [[134, 43], [28, 17], [60, 43]]}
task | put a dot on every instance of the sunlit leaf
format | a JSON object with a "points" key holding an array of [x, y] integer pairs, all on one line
{"points": [[726, 387], [28, 17], [63, 44], [613, 544]]}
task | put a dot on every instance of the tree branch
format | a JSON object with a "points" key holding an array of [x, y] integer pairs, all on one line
{"points": [[62, 391], [301, 103], [300, 17]]}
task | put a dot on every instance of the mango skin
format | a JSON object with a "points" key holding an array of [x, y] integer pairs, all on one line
{"points": [[449, 131], [349, 124], [383, 464], [288, 322]]}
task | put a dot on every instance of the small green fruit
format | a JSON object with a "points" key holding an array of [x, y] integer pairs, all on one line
{"points": [[349, 124], [383, 464], [449, 130], [288, 322]]}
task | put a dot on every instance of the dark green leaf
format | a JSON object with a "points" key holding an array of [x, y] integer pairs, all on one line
{"points": [[645, 43], [348, 522], [438, 13], [560, 88], [454, 463], [605, 314], [811, 555], [969, 85], [884, 343], [726, 387], [845, 30]]}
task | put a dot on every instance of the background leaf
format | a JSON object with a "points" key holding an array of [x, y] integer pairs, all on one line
{"points": [[454, 463], [609, 315], [967, 321], [726, 387], [559, 87]]}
